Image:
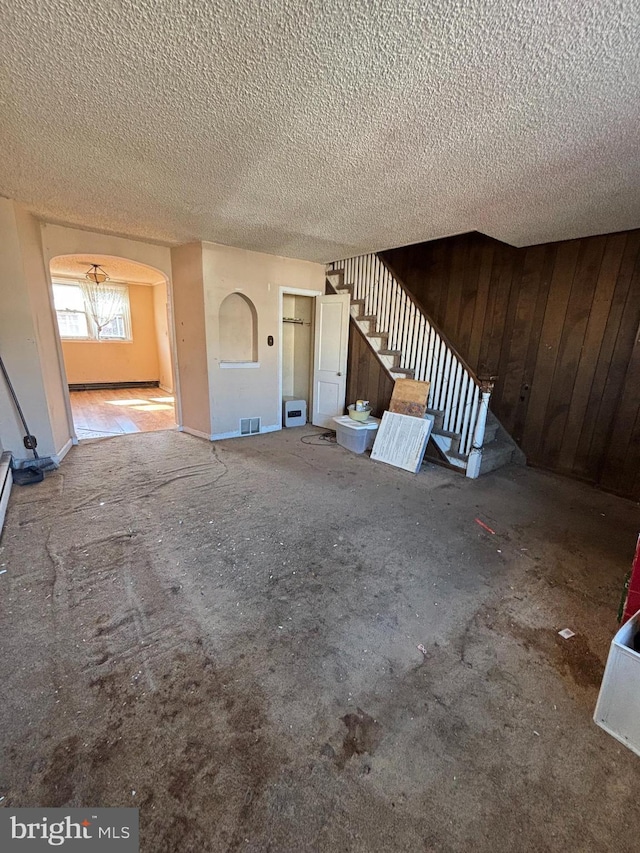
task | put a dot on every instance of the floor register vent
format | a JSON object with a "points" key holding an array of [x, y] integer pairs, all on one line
{"points": [[249, 426]]}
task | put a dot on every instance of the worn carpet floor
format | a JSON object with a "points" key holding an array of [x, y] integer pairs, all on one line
{"points": [[226, 637]]}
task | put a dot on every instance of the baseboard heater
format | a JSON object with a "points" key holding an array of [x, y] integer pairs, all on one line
{"points": [[6, 481], [107, 386]]}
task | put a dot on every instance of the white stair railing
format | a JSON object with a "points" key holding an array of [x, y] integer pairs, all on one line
{"points": [[394, 316]]}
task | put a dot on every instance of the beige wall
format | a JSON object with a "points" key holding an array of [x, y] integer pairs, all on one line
{"points": [[297, 348], [28, 341], [59, 240], [119, 361], [213, 398], [191, 338], [249, 391], [161, 311]]}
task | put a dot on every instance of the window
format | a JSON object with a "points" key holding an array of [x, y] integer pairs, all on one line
{"points": [[79, 315]]}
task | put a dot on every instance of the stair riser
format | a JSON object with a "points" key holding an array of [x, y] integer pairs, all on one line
{"points": [[491, 461], [490, 434]]}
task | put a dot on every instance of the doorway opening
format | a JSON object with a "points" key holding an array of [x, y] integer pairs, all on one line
{"points": [[297, 337], [115, 332], [314, 341]]}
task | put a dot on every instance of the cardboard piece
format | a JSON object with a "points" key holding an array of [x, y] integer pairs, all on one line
{"points": [[409, 397]]}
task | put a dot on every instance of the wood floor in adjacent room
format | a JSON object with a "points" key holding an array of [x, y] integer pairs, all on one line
{"points": [[105, 413]]}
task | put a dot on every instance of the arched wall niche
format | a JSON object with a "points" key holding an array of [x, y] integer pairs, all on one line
{"points": [[238, 330]]}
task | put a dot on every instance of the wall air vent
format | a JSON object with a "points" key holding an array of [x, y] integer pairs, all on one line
{"points": [[249, 426]]}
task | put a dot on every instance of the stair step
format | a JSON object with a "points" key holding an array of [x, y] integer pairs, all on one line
{"points": [[490, 434], [456, 455], [391, 352], [445, 433], [491, 429], [367, 317], [438, 417], [382, 335], [451, 458], [448, 444], [405, 371], [497, 454]]}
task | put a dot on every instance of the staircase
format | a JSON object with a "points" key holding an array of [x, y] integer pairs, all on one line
{"points": [[465, 433]]}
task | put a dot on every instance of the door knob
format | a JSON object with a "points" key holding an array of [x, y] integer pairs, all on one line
{"points": [[338, 374]]}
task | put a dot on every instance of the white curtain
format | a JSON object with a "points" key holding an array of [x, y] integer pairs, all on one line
{"points": [[104, 302]]}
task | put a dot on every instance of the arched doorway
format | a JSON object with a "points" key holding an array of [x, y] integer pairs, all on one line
{"points": [[115, 333]]}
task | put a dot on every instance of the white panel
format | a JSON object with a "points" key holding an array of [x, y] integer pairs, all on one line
{"points": [[401, 440], [329, 355], [617, 708], [330, 358], [328, 399]]}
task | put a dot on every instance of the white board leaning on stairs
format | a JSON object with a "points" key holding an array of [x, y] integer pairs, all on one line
{"points": [[401, 440]]}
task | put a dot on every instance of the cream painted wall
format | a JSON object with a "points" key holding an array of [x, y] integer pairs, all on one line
{"points": [[297, 348], [213, 398], [59, 240], [37, 281], [237, 330], [119, 361], [252, 391], [191, 337], [163, 340], [27, 340]]}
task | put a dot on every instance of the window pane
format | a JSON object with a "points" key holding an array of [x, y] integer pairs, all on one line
{"points": [[72, 324], [68, 297], [114, 329]]}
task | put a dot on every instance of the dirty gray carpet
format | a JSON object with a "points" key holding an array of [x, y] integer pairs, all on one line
{"points": [[226, 637]]}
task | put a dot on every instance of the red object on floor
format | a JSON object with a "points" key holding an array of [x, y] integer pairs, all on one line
{"points": [[632, 604]]}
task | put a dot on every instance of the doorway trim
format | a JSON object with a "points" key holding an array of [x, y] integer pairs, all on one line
{"points": [[289, 291], [177, 403]]}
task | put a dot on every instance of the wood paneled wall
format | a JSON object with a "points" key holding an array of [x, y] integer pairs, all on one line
{"points": [[366, 378], [559, 325]]}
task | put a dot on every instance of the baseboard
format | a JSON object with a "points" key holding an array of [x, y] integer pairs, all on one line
{"points": [[272, 428], [109, 386], [196, 432], [66, 447], [164, 388], [6, 481]]}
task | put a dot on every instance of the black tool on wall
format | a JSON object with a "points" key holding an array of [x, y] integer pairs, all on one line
{"points": [[31, 473]]}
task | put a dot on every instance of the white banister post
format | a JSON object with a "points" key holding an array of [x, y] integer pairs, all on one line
{"points": [[475, 455]]}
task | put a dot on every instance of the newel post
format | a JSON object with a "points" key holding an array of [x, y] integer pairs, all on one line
{"points": [[475, 455]]}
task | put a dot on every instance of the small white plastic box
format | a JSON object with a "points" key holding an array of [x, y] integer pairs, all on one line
{"points": [[618, 707], [355, 435], [294, 412]]}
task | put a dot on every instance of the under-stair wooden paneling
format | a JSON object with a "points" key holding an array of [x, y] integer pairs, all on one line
{"points": [[559, 324], [366, 377]]}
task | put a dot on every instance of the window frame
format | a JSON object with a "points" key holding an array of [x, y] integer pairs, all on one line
{"points": [[92, 332]]}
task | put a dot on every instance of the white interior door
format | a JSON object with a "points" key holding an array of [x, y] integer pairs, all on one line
{"points": [[330, 358]]}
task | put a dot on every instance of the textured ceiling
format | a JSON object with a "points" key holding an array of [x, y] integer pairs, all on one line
{"points": [[118, 269], [322, 128]]}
